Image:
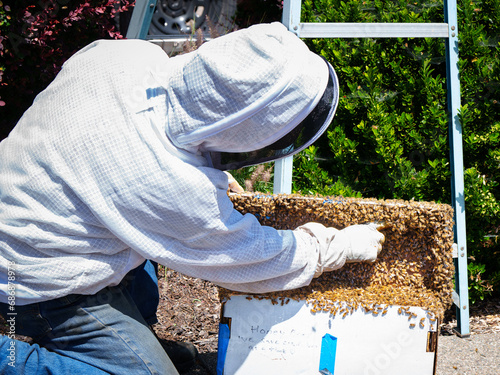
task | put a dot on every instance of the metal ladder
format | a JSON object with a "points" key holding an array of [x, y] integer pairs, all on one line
{"points": [[448, 31], [138, 29], [139, 26]]}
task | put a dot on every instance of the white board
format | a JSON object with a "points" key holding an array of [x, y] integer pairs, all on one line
{"points": [[268, 338]]}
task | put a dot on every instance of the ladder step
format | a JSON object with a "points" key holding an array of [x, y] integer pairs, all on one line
{"points": [[372, 30]]}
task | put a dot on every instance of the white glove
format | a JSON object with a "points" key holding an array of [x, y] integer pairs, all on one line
{"points": [[361, 243], [234, 186], [356, 243]]}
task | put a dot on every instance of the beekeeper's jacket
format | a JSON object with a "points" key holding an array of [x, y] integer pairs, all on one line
{"points": [[107, 167]]}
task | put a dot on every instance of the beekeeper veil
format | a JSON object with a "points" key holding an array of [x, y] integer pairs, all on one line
{"points": [[249, 97]]}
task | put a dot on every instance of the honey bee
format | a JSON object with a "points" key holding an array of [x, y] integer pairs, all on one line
{"points": [[414, 269]]}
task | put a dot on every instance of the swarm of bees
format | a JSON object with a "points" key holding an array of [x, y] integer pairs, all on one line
{"points": [[415, 267]]}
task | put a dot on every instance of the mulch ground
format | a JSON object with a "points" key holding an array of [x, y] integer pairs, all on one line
{"points": [[189, 310]]}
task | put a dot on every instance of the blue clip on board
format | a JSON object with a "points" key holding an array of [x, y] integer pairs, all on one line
{"points": [[327, 357], [224, 334]]}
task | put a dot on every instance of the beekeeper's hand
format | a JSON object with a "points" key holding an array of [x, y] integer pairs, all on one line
{"points": [[356, 243], [234, 186], [361, 243]]}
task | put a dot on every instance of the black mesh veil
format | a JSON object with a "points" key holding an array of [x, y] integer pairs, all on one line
{"points": [[302, 136]]}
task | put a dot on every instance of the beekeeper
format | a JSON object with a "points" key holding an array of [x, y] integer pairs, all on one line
{"points": [[120, 160]]}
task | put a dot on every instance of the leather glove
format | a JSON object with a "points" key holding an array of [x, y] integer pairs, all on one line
{"points": [[356, 243]]}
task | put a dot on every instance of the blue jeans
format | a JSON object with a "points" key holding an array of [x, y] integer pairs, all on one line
{"points": [[105, 333]]}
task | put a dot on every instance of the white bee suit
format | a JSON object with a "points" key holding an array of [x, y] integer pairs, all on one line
{"points": [[107, 167]]}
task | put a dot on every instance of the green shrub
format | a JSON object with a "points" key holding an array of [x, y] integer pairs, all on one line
{"points": [[256, 178], [389, 138], [478, 288], [310, 179], [480, 116]]}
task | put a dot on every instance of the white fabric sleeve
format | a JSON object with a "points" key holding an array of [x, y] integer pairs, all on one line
{"points": [[195, 230], [330, 257], [180, 215], [95, 190]]}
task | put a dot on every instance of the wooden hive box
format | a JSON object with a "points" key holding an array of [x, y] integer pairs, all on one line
{"points": [[366, 318]]}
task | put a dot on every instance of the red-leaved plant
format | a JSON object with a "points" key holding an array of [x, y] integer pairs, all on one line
{"points": [[36, 37]]}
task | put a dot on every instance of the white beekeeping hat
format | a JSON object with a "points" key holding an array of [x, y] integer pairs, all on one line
{"points": [[251, 96]]}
